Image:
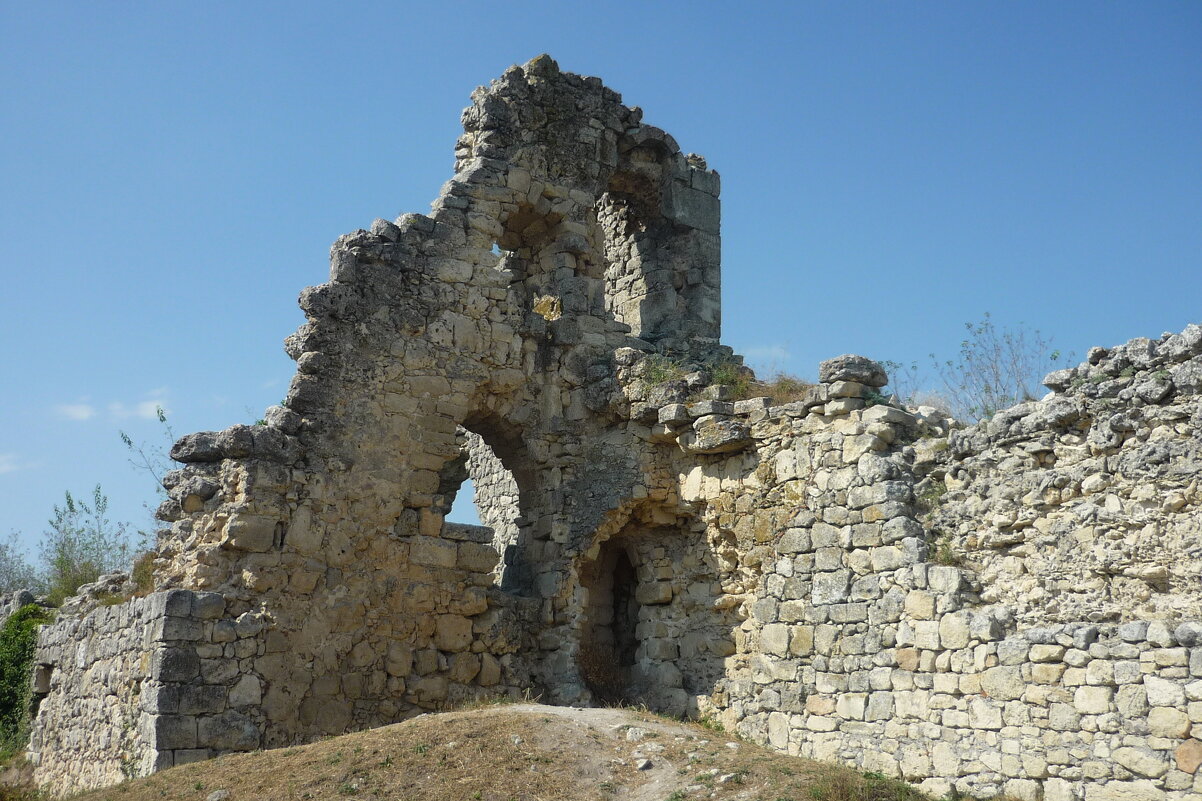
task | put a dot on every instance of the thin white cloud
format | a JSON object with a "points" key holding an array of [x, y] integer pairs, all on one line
{"points": [[145, 409], [767, 356], [76, 411], [149, 410], [8, 463]]}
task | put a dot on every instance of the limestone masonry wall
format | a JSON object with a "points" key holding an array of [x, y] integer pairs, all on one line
{"points": [[1010, 607]]}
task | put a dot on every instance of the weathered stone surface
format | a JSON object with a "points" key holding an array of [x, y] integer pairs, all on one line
{"points": [[1164, 692], [1141, 761], [713, 434], [852, 368]]}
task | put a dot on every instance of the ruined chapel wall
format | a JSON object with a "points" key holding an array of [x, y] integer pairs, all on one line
{"points": [[781, 553], [851, 645], [371, 608]]}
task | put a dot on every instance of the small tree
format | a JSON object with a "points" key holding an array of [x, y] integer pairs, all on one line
{"points": [[16, 573], [152, 457], [81, 545], [996, 368]]}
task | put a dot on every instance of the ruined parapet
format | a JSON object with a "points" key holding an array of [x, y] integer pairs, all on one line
{"points": [[1086, 505]]}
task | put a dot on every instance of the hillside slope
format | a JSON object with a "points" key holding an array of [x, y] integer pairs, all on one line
{"points": [[525, 752]]}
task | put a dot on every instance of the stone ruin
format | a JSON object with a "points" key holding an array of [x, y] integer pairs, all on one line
{"points": [[1007, 607]]}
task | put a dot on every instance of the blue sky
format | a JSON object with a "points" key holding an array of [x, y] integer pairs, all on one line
{"points": [[174, 174]]}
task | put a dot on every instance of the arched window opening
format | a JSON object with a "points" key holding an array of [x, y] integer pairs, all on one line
{"points": [[630, 216], [480, 501]]}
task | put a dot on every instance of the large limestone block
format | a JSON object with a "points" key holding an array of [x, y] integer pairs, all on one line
{"points": [[851, 706], [1141, 761], [850, 367], [452, 633], [1142, 790], [490, 671], [984, 714], [692, 207], [775, 639], [926, 635], [1163, 692], [1003, 683], [953, 630], [247, 692], [830, 588], [715, 434], [778, 730], [650, 593], [1093, 700], [1165, 721], [254, 533], [229, 731], [433, 552]]}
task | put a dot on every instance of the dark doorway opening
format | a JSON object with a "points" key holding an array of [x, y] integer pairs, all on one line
{"points": [[609, 645]]}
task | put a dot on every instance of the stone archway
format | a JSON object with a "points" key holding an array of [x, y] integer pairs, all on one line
{"points": [[649, 631]]}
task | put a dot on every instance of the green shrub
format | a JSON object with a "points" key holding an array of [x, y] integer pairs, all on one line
{"points": [[81, 545], [659, 369], [931, 498], [729, 373], [142, 574], [873, 397], [18, 638]]}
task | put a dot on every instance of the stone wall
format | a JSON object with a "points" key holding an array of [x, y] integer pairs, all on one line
{"points": [[1086, 505], [139, 686], [833, 576]]}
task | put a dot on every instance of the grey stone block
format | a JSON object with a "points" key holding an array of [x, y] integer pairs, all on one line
{"points": [[201, 699], [208, 605], [1135, 631], [705, 407], [1189, 634], [174, 665], [687, 206], [174, 731], [160, 699], [176, 603], [229, 731], [176, 628], [184, 756]]}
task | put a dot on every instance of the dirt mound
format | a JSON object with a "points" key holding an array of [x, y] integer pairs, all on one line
{"points": [[524, 752]]}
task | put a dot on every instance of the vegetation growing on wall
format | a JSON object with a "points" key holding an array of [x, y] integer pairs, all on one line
{"points": [[18, 638]]}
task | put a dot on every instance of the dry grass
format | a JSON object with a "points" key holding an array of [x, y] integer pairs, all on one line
{"points": [[783, 388], [516, 753]]}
